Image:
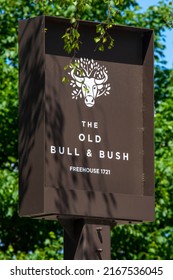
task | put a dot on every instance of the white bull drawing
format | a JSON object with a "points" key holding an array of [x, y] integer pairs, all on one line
{"points": [[90, 79]]}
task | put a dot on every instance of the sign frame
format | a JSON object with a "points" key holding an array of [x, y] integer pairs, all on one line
{"points": [[38, 200]]}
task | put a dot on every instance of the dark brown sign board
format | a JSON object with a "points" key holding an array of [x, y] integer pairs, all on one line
{"points": [[85, 147]]}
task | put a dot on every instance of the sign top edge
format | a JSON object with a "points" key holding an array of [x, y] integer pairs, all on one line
{"points": [[91, 23]]}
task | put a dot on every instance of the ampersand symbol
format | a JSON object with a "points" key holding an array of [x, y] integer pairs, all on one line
{"points": [[89, 153]]}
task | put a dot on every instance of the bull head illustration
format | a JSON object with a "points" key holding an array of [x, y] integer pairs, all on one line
{"points": [[89, 79]]}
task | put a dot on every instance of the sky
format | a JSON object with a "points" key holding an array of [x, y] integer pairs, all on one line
{"points": [[169, 34]]}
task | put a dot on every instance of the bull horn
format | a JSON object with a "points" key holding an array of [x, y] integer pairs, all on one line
{"points": [[101, 81], [78, 79]]}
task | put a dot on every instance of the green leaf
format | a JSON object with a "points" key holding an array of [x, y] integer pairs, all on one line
{"points": [[97, 39]]}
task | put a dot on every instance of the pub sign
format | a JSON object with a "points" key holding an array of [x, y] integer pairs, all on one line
{"points": [[86, 146]]}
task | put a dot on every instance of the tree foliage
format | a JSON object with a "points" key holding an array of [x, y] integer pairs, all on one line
{"points": [[35, 239]]}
